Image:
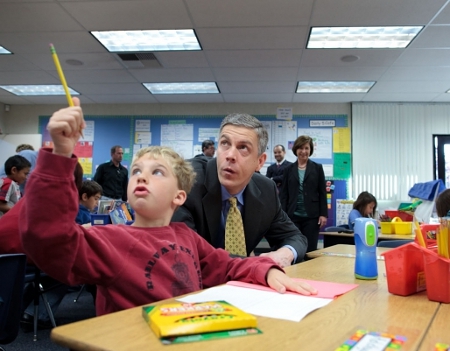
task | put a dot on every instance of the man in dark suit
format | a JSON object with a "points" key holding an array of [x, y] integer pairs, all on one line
{"points": [[240, 153], [208, 150], [275, 171]]}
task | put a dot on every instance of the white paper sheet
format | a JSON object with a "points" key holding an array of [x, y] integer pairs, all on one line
{"points": [[261, 303]]}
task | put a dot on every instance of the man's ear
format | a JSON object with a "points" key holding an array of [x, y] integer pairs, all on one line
{"points": [[180, 198], [261, 160]]}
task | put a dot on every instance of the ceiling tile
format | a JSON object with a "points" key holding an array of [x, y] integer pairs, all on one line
{"points": [[254, 58]]}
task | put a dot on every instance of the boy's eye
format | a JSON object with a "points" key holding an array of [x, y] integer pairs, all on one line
{"points": [[158, 172], [135, 171]]}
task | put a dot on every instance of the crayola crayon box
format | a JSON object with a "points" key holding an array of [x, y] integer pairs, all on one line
{"points": [[179, 318]]}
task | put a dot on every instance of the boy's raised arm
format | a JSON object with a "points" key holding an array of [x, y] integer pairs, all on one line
{"points": [[65, 127]]}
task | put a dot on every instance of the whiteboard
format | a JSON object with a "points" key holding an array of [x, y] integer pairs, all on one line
{"points": [[9, 142]]}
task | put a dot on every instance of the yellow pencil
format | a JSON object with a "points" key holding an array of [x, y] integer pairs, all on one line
{"points": [[62, 79]]}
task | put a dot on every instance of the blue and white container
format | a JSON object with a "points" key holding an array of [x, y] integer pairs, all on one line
{"points": [[366, 237]]}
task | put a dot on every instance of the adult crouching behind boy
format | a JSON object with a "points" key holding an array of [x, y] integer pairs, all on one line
{"points": [[131, 265]]}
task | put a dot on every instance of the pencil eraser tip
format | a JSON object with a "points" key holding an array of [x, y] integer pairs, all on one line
{"points": [[51, 45]]}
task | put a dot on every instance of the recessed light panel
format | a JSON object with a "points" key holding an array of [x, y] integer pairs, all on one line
{"points": [[148, 40], [32, 90], [182, 88], [3, 51], [333, 87], [362, 37]]}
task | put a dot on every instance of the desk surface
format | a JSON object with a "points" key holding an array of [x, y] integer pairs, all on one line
{"points": [[369, 306], [380, 236], [439, 331], [341, 250]]}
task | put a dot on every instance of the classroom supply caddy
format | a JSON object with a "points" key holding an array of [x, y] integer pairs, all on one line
{"points": [[415, 267], [396, 226]]}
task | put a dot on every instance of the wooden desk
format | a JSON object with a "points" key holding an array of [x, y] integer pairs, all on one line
{"points": [[439, 330], [335, 238], [369, 306], [341, 250]]}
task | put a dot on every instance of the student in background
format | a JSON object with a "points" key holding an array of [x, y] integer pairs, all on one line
{"points": [[275, 171], [364, 206], [89, 194], [443, 204], [16, 169], [148, 261], [303, 192], [112, 176], [28, 152]]}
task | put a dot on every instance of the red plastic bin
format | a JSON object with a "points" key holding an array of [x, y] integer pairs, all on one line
{"points": [[405, 270], [405, 217], [437, 271]]}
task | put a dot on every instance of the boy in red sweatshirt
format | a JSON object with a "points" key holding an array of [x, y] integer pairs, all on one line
{"points": [[131, 265]]}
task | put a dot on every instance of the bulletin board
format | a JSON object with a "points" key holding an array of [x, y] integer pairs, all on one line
{"points": [[185, 133]]}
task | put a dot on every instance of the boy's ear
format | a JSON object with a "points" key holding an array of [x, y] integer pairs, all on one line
{"points": [[14, 170], [180, 198], [84, 197]]}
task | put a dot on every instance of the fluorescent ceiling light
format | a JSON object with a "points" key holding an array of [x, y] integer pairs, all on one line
{"points": [[182, 88], [37, 90], [148, 40], [3, 51], [333, 87], [361, 37]]}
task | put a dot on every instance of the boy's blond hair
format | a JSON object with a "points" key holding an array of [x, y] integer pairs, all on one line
{"points": [[181, 168]]}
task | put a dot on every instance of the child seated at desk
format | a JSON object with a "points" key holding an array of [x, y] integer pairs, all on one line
{"points": [[89, 194], [16, 168], [443, 204], [364, 206], [148, 261]]}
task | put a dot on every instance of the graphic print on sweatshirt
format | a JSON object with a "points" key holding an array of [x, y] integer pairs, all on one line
{"points": [[181, 258]]}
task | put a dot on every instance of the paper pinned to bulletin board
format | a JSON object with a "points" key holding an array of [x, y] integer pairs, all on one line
{"points": [[343, 209], [341, 140]]}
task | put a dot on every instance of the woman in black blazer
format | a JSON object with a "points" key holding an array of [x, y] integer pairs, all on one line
{"points": [[303, 195]]}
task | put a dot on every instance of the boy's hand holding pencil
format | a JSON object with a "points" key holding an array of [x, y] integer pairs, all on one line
{"points": [[65, 128]]}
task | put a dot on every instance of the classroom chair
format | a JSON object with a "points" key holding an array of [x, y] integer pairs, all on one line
{"points": [[344, 228], [393, 243], [34, 276], [12, 276]]}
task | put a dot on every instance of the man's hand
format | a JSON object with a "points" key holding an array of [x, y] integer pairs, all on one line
{"points": [[322, 221], [65, 127], [282, 257], [280, 282]]}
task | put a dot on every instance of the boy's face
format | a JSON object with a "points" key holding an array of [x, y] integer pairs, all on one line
{"points": [[91, 202], [19, 176], [153, 191]]}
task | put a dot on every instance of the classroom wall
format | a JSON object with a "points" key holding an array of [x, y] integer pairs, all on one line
{"points": [[2, 119], [23, 119]]}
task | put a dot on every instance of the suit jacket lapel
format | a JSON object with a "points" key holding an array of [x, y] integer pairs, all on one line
{"points": [[212, 201], [253, 205]]}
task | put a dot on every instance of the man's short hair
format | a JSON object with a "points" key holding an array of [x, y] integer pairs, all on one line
{"points": [[279, 145], [181, 168], [90, 188], [22, 147], [250, 122], [114, 148], [206, 144], [17, 161]]}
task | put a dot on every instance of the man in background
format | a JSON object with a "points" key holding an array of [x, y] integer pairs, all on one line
{"points": [[208, 149], [112, 176], [275, 170]]}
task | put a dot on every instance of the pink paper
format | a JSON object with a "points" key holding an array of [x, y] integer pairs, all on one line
{"points": [[325, 290]]}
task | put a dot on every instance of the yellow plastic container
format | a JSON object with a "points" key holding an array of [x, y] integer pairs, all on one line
{"points": [[387, 228], [401, 227]]}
